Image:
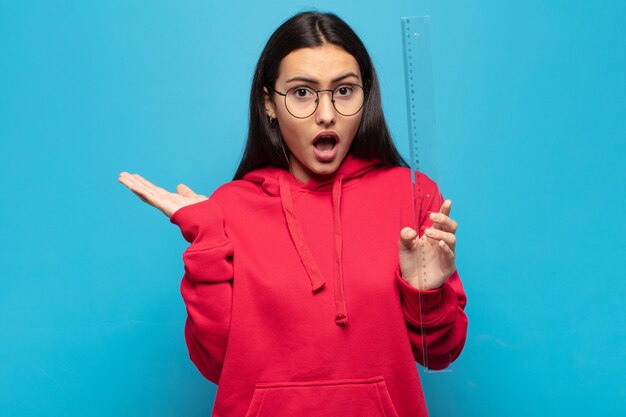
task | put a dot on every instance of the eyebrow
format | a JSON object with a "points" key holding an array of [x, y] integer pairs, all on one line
{"points": [[311, 80]]}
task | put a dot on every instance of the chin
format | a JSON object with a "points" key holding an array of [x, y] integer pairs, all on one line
{"points": [[328, 168]]}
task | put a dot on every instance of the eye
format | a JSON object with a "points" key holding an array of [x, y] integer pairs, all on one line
{"points": [[302, 92], [344, 90]]}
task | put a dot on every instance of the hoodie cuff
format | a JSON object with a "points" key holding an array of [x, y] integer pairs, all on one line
{"points": [[425, 306], [190, 218]]}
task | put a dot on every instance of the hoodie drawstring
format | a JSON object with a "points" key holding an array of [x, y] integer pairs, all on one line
{"points": [[317, 281], [315, 276], [340, 302]]}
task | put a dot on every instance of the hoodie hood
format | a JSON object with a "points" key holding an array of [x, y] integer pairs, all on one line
{"points": [[351, 168], [276, 181]]}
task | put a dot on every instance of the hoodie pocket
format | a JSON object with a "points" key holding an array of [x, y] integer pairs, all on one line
{"points": [[356, 397]]}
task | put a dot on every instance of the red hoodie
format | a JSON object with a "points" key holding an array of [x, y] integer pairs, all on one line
{"points": [[295, 302]]}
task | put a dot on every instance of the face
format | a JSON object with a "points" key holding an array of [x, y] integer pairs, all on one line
{"points": [[319, 68]]}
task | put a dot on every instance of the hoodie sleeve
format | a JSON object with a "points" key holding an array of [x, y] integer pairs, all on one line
{"points": [[436, 320], [207, 285]]}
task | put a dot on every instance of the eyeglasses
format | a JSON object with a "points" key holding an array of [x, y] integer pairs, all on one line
{"points": [[301, 102]]}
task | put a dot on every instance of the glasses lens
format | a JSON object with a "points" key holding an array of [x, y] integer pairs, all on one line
{"points": [[301, 102], [348, 99]]}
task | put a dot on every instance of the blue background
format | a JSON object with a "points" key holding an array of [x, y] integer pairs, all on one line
{"points": [[531, 127]]}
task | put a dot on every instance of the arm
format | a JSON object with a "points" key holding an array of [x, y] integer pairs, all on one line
{"points": [[435, 317], [436, 321], [206, 286]]}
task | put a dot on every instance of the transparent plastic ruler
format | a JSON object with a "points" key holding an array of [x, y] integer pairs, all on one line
{"points": [[423, 146]]}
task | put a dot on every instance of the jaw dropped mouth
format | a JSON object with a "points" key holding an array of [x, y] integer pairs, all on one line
{"points": [[325, 149], [325, 144]]}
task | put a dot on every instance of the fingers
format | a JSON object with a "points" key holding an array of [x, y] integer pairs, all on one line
{"points": [[131, 182], [449, 252], [144, 189], [136, 182], [449, 239], [442, 220], [148, 185], [449, 256], [445, 207], [141, 186]]}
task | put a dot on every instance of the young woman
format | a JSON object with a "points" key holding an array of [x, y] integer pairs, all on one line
{"points": [[303, 284]]}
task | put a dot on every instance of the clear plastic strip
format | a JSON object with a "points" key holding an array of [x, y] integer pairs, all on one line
{"points": [[421, 128]]}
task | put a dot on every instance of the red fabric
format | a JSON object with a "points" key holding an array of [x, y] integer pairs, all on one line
{"points": [[295, 302]]}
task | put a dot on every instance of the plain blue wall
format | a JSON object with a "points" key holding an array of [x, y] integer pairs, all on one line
{"points": [[531, 126]]}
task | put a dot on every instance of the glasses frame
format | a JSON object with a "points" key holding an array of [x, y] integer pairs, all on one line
{"points": [[317, 101]]}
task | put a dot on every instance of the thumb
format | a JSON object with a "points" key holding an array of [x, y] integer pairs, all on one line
{"points": [[407, 235], [184, 190]]}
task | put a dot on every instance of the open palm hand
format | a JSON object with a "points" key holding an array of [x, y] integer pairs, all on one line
{"points": [[158, 197]]}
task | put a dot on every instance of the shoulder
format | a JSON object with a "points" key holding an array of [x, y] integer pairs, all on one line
{"points": [[212, 206], [232, 191], [385, 173], [399, 177]]}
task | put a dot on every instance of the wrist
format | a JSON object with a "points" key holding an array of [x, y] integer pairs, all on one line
{"points": [[418, 284]]}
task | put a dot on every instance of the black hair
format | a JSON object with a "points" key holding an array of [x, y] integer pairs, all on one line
{"points": [[265, 145]]}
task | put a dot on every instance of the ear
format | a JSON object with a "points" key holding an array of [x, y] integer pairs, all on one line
{"points": [[270, 109]]}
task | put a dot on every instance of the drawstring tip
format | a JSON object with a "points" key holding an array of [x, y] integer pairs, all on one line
{"points": [[316, 286], [341, 319]]}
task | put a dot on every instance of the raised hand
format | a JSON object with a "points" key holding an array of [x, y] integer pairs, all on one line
{"points": [[158, 197], [426, 263]]}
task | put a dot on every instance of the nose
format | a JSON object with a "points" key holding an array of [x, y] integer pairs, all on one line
{"points": [[325, 113]]}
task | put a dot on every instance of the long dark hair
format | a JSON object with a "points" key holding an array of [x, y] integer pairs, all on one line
{"points": [[265, 144]]}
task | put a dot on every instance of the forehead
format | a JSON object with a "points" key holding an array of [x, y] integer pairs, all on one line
{"points": [[321, 63]]}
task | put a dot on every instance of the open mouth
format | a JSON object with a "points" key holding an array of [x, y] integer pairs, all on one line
{"points": [[325, 143]]}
